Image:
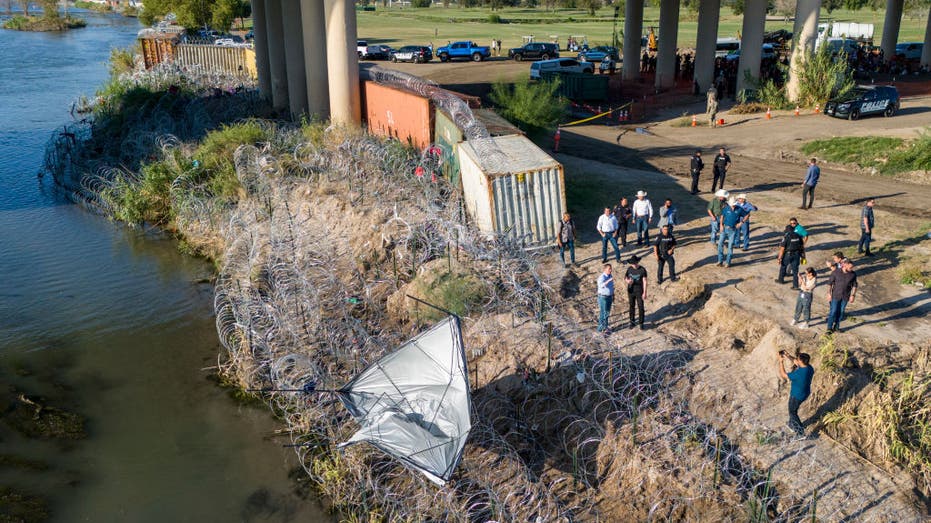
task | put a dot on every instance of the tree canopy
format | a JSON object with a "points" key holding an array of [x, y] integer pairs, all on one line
{"points": [[218, 14]]}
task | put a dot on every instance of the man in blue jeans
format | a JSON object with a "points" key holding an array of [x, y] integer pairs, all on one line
{"points": [[842, 290], [714, 212], [791, 252], [743, 233], [866, 227], [808, 186], [643, 214], [605, 297], [800, 378], [730, 218], [607, 228]]}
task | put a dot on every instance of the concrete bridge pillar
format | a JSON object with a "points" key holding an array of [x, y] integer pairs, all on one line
{"points": [[891, 28], [707, 42], [633, 32], [260, 42], [294, 57], [342, 61], [315, 63], [666, 52], [751, 42], [926, 51], [803, 46], [276, 59]]}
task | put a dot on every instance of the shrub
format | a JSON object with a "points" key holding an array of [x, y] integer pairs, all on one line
{"points": [[421, 3], [532, 106], [494, 19], [822, 76], [122, 60], [749, 108], [215, 155], [146, 200]]}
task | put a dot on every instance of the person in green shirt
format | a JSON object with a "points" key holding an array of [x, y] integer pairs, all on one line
{"points": [[715, 207]]}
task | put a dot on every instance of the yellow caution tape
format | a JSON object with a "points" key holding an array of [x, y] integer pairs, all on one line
{"points": [[590, 118]]}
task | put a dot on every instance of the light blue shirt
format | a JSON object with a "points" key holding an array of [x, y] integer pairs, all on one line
{"points": [[811, 177], [606, 285]]}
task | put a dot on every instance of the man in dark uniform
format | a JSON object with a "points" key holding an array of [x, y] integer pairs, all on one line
{"points": [[866, 228], [636, 279], [665, 249], [695, 168], [791, 251], [721, 162], [623, 214]]}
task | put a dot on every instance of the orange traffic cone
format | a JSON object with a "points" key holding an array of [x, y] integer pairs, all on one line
{"points": [[769, 114], [796, 110], [694, 121], [817, 108]]}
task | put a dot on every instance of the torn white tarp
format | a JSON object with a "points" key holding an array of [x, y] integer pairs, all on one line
{"points": [[414, 403]]}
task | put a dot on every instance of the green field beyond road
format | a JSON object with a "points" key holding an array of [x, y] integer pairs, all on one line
{"points": [[437, 24]]}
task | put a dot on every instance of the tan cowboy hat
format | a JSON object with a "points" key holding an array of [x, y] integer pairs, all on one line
{"points": [[721, 193], [641, 193], [742, 196]]}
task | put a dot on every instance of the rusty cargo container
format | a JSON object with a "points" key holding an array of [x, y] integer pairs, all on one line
{"points": [[158, 48], [447, 136], [398, 114], [520, 192]]}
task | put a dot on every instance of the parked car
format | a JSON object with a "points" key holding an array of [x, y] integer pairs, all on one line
{"points": [[598, 53], [417, 54], [377, 52], [468, 50], [767, 53], [534, 51], [560, 65], [861, 101], [361, 46], [250, 35], [726, 46], [230, 40], [909, 50]]}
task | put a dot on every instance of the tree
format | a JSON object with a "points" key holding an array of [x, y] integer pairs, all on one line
{"points": [[590, 5], [193, 14], [49, 9]]}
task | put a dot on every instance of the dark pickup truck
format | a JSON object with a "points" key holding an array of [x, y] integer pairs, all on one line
{"points": [[467, 50]]}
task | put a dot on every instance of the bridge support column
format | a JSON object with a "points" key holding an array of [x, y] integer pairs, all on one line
{"points": [[707, 42], [315, 63], [294, 57], [342, 61], [666, 51], [926, 51], [260, 42], [805, 34], [891, 28], [276, 59], [751, 42], [633, 31]]}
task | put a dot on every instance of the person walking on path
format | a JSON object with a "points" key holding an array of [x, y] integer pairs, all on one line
{"points": [[695, 166], [665, 249], [636, 279], [715, 206], [800, 380], [722, 161], [607, 228], [668, 215], [791, 250], [808, 186], [605, 297], [711, 107], [643, 215], [731, 215], [842, 286], [566, 239], [806, 287], [623, 214], [866, 228], [743, 233]]}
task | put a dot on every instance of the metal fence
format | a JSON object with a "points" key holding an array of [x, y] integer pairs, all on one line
{"points": [[233, 60]]}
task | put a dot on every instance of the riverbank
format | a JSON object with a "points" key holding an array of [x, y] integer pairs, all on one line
{"points": [[43, 23]]}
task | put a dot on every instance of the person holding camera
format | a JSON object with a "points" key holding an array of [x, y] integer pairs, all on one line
{"points": [[800, 379]]}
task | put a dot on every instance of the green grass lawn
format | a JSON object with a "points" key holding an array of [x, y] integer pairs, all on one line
{"points": [[437, 24], [887, 155]]}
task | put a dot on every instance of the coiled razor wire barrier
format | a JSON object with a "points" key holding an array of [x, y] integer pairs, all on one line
{"points": [[316, 258]]}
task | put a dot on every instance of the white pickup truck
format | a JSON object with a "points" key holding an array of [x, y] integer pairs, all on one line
{"points": [[361, 47]]}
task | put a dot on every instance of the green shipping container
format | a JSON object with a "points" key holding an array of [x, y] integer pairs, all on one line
{"points": [[580, 86], [447, 135]]}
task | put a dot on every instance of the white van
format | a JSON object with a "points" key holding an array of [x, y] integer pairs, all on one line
{"points": [[726, 46], [560, 65]]}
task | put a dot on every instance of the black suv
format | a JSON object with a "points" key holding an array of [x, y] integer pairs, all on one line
{"points": [[534, 51], [412, 53], [861, 101]]}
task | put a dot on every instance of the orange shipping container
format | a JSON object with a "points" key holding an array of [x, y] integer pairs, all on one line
{"points": [[398, 114]]}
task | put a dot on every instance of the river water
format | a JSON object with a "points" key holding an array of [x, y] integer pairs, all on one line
{"points": [[115, 325]]}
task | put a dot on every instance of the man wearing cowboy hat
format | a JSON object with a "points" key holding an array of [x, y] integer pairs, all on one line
{"points": [[636, 278], [643, 215], [743, 233], [715, 206], [731, 215]]}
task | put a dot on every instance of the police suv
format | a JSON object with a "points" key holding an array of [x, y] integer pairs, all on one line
{"points": [[861, 101]]}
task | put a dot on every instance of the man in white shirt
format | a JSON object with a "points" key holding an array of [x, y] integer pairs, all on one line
{"points": [[607, 228], [643, 215]]}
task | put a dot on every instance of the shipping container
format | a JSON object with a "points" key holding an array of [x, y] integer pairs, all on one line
{"points": [[398, 114], [157, 49], [495, 123], [448, 135], [580, 86], [513, 188]]}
